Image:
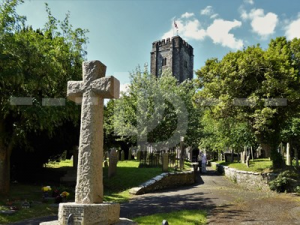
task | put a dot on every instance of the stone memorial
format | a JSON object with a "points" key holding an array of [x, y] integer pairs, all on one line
{"points": [[130, 154], [122, 155], [165, 162], [138, 155], [113, 160], [88, 207]]}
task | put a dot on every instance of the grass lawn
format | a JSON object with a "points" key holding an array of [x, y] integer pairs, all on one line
{"points": [[258, 165], [128, 175], [186, 217], [115, 189], [18, 194]]}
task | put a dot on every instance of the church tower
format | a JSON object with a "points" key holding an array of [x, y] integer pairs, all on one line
{"points": [[174, 54]]}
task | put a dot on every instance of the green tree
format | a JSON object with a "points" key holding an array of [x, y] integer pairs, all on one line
{"points": [[253, 86], [225, 133], [291, 133], [158, 111], [35, 64]]}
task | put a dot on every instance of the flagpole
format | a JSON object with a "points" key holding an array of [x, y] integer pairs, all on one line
{"points": [[175, 25]]}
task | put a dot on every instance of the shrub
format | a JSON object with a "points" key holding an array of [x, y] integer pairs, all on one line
{"points": [[286, 181]]}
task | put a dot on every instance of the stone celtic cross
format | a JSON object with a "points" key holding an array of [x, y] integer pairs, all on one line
{"points": [[91, 92]]}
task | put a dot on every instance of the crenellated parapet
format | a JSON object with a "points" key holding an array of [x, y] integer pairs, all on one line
{"points": [[173, 54], [175, 41]]}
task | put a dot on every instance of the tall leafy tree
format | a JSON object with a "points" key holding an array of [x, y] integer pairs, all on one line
{"points": [[158, 111], [256, 86], [35, 64]]}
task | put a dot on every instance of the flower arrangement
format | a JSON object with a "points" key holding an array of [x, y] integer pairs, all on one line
{"points": [[46, 191], [65, 194]]}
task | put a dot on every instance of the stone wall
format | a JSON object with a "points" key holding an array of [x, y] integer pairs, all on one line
{"points": [[165, 180], [248, 180]]}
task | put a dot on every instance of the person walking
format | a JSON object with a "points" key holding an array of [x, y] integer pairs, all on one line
{"points": [[204, 161], [200, 161]]}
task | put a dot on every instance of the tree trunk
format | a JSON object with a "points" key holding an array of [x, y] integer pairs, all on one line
{"points": [[252, 155], [5, 153], [4, 171], [296, 157]]}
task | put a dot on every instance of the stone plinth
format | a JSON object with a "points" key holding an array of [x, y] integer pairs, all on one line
{"points": [[87, 214]]}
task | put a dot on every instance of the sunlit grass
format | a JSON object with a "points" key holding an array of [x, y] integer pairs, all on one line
{"points": [[64, 163], [185, 217], [128, 175], [257, 165]]}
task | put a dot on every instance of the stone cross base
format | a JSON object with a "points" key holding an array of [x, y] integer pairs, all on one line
{"points": [[87, 214]]}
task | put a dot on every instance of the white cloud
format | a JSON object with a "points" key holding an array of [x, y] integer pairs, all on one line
{"points": [[244, 14], [187, 15], [124, 88], [263, 25], [293, 29], [188, 29], [251, 2], [214, 16], [219, 33], [207, 11]]}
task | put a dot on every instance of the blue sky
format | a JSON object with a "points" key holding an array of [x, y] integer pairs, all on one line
{"points": [[122, 31]]}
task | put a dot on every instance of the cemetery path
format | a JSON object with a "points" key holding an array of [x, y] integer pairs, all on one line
{"points": [[225, 202]]}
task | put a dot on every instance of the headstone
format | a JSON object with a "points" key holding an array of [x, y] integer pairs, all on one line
{"points": [[247, 161], [165, 222], [88, 208], [165, 162], [71, 175], [138, 155], [122, 155], [113, 160], [288, 155], [75, 157], [130, 154]]}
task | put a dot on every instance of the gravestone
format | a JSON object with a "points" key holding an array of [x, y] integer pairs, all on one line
{"points": [[130, 154], [122, 155], [89, 208], [138, 155], [113, 160], [71, 175], [165, 162], [247, 161]]}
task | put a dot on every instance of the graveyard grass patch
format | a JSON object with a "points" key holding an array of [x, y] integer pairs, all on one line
{"points": [[63, 163], [258, 165], [128, 175], [186, 217], [18, 194]]}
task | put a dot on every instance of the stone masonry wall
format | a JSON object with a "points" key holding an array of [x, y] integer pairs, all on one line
{"points": [[248, 180]]}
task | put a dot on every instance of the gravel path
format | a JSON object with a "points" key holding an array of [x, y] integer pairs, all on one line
{"points": [[225, 202]]}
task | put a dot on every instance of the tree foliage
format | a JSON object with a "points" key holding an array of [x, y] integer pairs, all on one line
{"points": [[157, 111], [35, 64], [254, 86]]}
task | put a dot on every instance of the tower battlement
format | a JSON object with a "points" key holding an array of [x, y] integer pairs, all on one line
{"points": [[176, 41], [174, 54]]}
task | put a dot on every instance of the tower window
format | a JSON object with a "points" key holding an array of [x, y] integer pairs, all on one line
{"points": [[164, 61], [185, 64]]}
